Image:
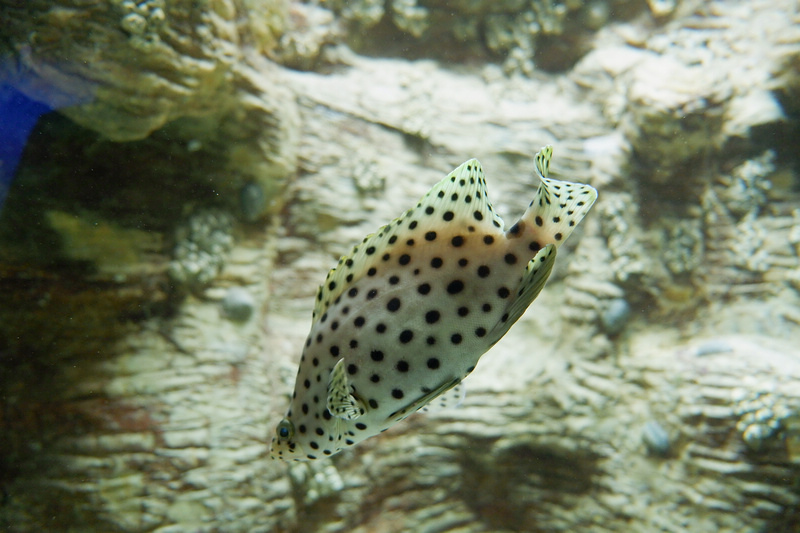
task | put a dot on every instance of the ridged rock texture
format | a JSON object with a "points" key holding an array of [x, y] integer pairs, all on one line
{"points": [[161, 247]]}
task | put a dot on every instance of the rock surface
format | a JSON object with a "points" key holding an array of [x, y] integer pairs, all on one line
{"points": [[133, 403]]}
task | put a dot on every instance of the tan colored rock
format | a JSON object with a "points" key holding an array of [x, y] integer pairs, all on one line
{"points": [[126, 69], [150, 413]]}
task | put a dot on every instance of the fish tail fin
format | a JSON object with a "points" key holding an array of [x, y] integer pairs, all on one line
{"points": [[558, 207]]}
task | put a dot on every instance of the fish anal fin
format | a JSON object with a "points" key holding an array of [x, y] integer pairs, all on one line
{"points": [[422, 400], [341, 402], [447, 400], [537, 271]]}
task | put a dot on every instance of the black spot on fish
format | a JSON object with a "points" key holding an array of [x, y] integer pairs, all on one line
{"points": [[406, 335], [455, 286]]}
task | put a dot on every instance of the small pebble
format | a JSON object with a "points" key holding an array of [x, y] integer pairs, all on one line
{"points": [[616, 316], [656, 438], [238, 304], [712, 347], [251, 202]]}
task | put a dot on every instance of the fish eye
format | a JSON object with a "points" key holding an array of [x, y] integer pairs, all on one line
{"points": [[285, 429]]}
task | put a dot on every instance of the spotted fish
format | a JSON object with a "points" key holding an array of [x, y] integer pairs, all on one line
{"points": [[406, 315]]}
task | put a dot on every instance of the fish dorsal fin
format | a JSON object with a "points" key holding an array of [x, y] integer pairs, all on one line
{"points": [[341, 403], [422, 401], [559, 205], [533, 280], [459, 201]]}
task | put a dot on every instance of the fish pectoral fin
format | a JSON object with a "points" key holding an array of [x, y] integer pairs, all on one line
{"points": [[533, 280], [422, 401], [341, 402]]}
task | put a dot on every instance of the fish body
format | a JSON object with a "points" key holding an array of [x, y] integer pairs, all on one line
{"points": [[406, 315]]}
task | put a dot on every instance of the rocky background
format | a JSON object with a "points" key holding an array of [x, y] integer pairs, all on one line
{"points": [[162, 243]]}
